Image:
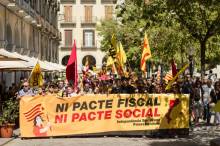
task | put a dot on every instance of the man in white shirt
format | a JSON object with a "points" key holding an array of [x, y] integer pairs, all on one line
{"points": [[26, 91], [206, 90]]}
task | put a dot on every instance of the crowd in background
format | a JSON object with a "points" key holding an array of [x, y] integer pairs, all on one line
{"points": [[204, 94]]}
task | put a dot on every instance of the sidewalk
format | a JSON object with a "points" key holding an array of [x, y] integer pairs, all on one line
{"points": [[4, 141]]}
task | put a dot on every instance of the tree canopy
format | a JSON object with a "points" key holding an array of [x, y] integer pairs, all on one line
{"points": [[174, 28]]}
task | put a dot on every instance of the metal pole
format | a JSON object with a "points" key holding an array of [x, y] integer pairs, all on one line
{"points": [[161, 74], [15, 77]]}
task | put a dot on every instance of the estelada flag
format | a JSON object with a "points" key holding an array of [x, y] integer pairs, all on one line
{"points": [[174, 69], [168, 76], [36, 77], [146, 54], [71, 68], [174, 78]]}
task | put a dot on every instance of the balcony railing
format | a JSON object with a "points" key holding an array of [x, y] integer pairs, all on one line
{"points": [[108, 1], [88, 1], [68, 22], [67, 1], [86, 46], [89, 20]]}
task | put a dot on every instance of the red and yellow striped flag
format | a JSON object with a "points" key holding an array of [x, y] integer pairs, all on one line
{"points": [[159, 74], [169, 76], [146, 54]]}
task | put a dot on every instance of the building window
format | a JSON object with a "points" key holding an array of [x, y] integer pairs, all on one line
{"points": [[68, 37], [68, 13], [108, 12], [88, 38], [88, 14]]}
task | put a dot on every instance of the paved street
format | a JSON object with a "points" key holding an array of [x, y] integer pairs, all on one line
{"points": [[108, 141], [199, 137]]}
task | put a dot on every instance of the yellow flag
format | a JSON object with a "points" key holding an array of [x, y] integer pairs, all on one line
{"points": [[114, 41], [110, 61], [216, 108], [146, 54], [173, 80], [121, 55], [36, 77]]}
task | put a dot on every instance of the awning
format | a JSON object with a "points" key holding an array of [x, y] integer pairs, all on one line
{"points": [[16, 61], [13, 65], [8, 56], [32, 62], [57, 67]]}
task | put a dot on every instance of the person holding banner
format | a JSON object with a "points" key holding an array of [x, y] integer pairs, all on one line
{"points": [[70, 91], [51, 89], [26, 91]]}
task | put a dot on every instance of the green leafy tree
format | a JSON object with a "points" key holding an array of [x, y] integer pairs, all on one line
{"points": [[173, 28], [201, 18]]}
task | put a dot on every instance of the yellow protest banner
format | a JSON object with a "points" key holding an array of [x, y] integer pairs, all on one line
{"points": [[36, 77], [51, 116]]}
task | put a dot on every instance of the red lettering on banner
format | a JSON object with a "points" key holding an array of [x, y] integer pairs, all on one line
{"points": [[135, 113], [156, 114], [143, 111], [61, 118], [118, 114], [75, 116], [127, 113], [149, 113], [83, 117], [100, 113], [108, 114], [91, 116]]}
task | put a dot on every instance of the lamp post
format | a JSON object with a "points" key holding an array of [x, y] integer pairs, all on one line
{"points": [[191, 64]]}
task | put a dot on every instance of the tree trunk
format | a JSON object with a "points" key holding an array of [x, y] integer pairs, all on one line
{"points": [[203, 50]]}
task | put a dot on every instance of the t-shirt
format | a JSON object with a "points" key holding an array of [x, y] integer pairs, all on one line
{"points": [[37, 129], [206, 93], [23, 93]]}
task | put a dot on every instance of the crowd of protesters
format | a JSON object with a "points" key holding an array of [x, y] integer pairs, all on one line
{"points": [[204, 93]]}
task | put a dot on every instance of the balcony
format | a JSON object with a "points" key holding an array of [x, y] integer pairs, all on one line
{"points": [[23, 9], [68, 22], [67, 1], [108, 1], [90, 21], [88, 1]]}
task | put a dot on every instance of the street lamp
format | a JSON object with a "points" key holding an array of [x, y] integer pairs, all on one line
{"points": [[191, 67]]}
